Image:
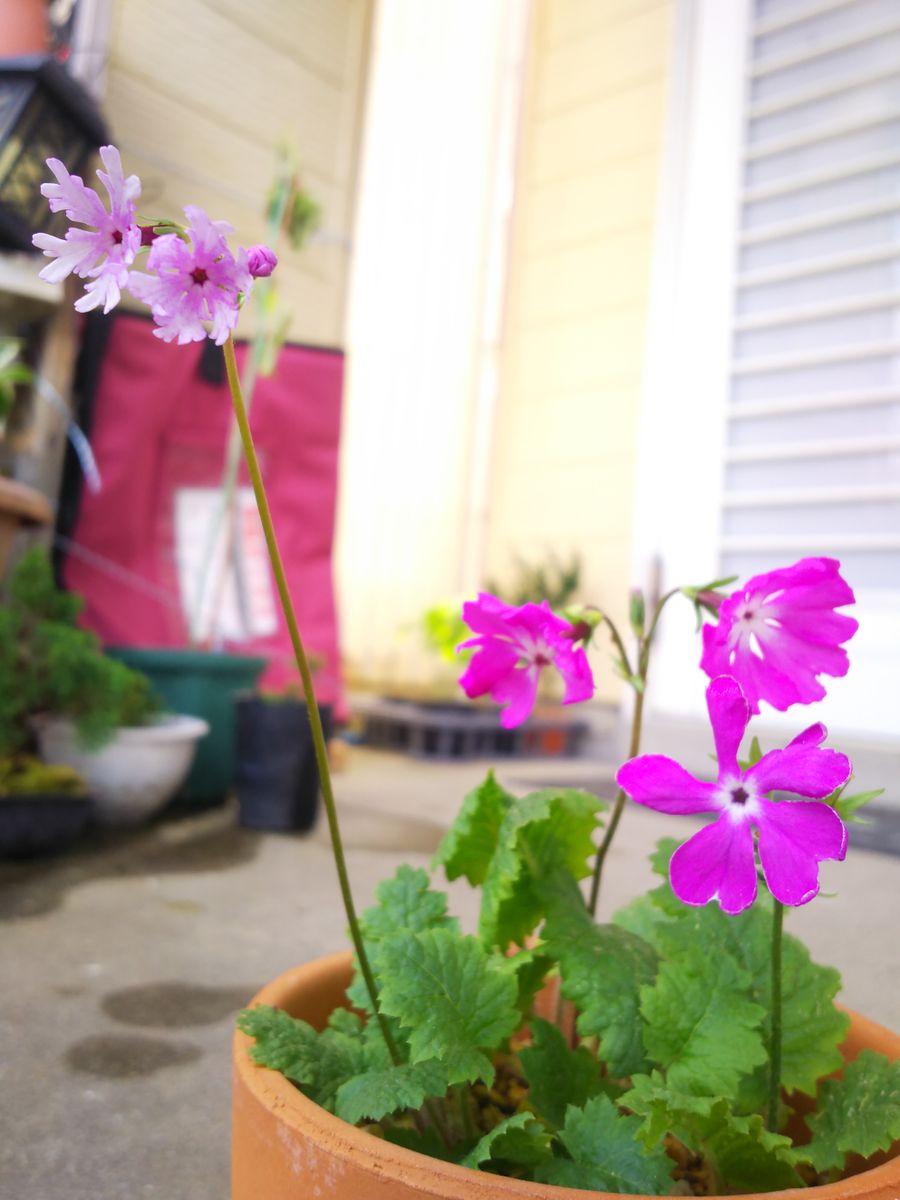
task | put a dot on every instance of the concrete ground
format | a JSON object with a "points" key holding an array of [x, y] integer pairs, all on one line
{"points": [[122, 965]]}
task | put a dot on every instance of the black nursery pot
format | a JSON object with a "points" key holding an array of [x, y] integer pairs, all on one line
{"points": [[277, 776]]}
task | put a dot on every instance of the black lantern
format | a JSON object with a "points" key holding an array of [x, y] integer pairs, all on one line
{"points": [[44, 113]]}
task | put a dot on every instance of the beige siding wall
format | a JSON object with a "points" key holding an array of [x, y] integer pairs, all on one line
{"points": [[200, 92], [565, 448]]}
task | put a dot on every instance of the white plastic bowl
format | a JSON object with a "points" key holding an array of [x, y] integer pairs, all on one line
{"points": [[132, 776]]}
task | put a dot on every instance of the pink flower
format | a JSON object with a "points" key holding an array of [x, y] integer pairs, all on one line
{"points": [[719, 862], [193, 281], [103, 251], [261, 261], [780, 631], [513, 646]]}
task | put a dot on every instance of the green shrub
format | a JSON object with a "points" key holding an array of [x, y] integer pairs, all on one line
{"points": [[48, 665]]}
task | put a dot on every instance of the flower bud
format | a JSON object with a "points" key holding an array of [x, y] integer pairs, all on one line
{"points": [[636, 611], [261, 261]]}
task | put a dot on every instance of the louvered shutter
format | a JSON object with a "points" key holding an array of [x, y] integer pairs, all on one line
{"points": [[812, 457]]}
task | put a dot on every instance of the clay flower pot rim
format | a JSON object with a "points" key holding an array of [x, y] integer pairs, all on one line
{"points": [[431, 1177]]}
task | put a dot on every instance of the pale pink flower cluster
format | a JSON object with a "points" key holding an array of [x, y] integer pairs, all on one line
{"points": [[193, 279]]}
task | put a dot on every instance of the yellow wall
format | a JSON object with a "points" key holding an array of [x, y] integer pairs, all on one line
{"points": [[565, 439], [199, 92]]}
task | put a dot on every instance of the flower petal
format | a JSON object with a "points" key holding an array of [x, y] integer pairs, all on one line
{"points": [[717, 863], [793, 839], [780, 632], [815, 735], [661, 783], [487, 667], [485, 615], [518, 691], [805, 770], [729, 715], [575, 670]]}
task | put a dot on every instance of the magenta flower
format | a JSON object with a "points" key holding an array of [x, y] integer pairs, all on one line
{"points": [[103, 251], [193, 281], [780, 631], [261, 261], [719, 862], [513, 646]]}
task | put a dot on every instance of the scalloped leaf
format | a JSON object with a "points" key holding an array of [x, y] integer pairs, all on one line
{"points": [[812, 1027], [606, 1155], [406, 903], [545, 831], [859, 1113], [376, 1094], [471, 841], [557, 1075], [742, 1153], [702, 1026], [453, 999], [518, 1140], [319, 1062], [603, 969]]}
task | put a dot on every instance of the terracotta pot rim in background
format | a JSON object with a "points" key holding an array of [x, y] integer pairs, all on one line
{"points": [[282, 1142]]}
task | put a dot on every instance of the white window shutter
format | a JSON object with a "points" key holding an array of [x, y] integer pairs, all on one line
{"points": [[812, 455]]}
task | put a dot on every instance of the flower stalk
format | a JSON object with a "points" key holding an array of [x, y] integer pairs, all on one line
{"points": [[775, 1039], [638, 682], [315, 721]]}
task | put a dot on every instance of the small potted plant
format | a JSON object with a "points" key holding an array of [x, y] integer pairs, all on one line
{"points": [[276, 776], [43, 809], [85, 710], [696, 1048]]}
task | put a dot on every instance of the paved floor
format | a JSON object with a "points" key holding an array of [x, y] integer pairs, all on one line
{"points": [[121, 967]]}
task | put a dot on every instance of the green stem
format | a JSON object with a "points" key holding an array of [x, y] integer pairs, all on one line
{"points": [[315, 721], [618, 807], [775, 1040], [644, 645]]}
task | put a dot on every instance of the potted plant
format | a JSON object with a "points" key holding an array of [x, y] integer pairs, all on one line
{"points": [[276, 776], [42, 808], [436, 722], [695, 1048], [86, 710]]}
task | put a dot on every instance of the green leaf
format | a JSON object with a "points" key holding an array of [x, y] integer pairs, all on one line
{"points": [[848, 806], [859, 1112], [283, 1043], [544, 831], [666, 1110], [453, 999], [746, 1157], [529, 969], [557, 1075], [605, 1154], [320, 1062], [519, 1140], [469, 845], [743, 1154], [375, 1094], [603, 969], [812, 1028], [702, 1025], [406, 904]]}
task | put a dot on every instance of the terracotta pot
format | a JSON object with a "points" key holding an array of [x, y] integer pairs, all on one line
{"points": [[284, 1147]]}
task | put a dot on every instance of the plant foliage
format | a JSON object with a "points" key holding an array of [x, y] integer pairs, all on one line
{"points": [[666, 1088], [59, 668]]}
